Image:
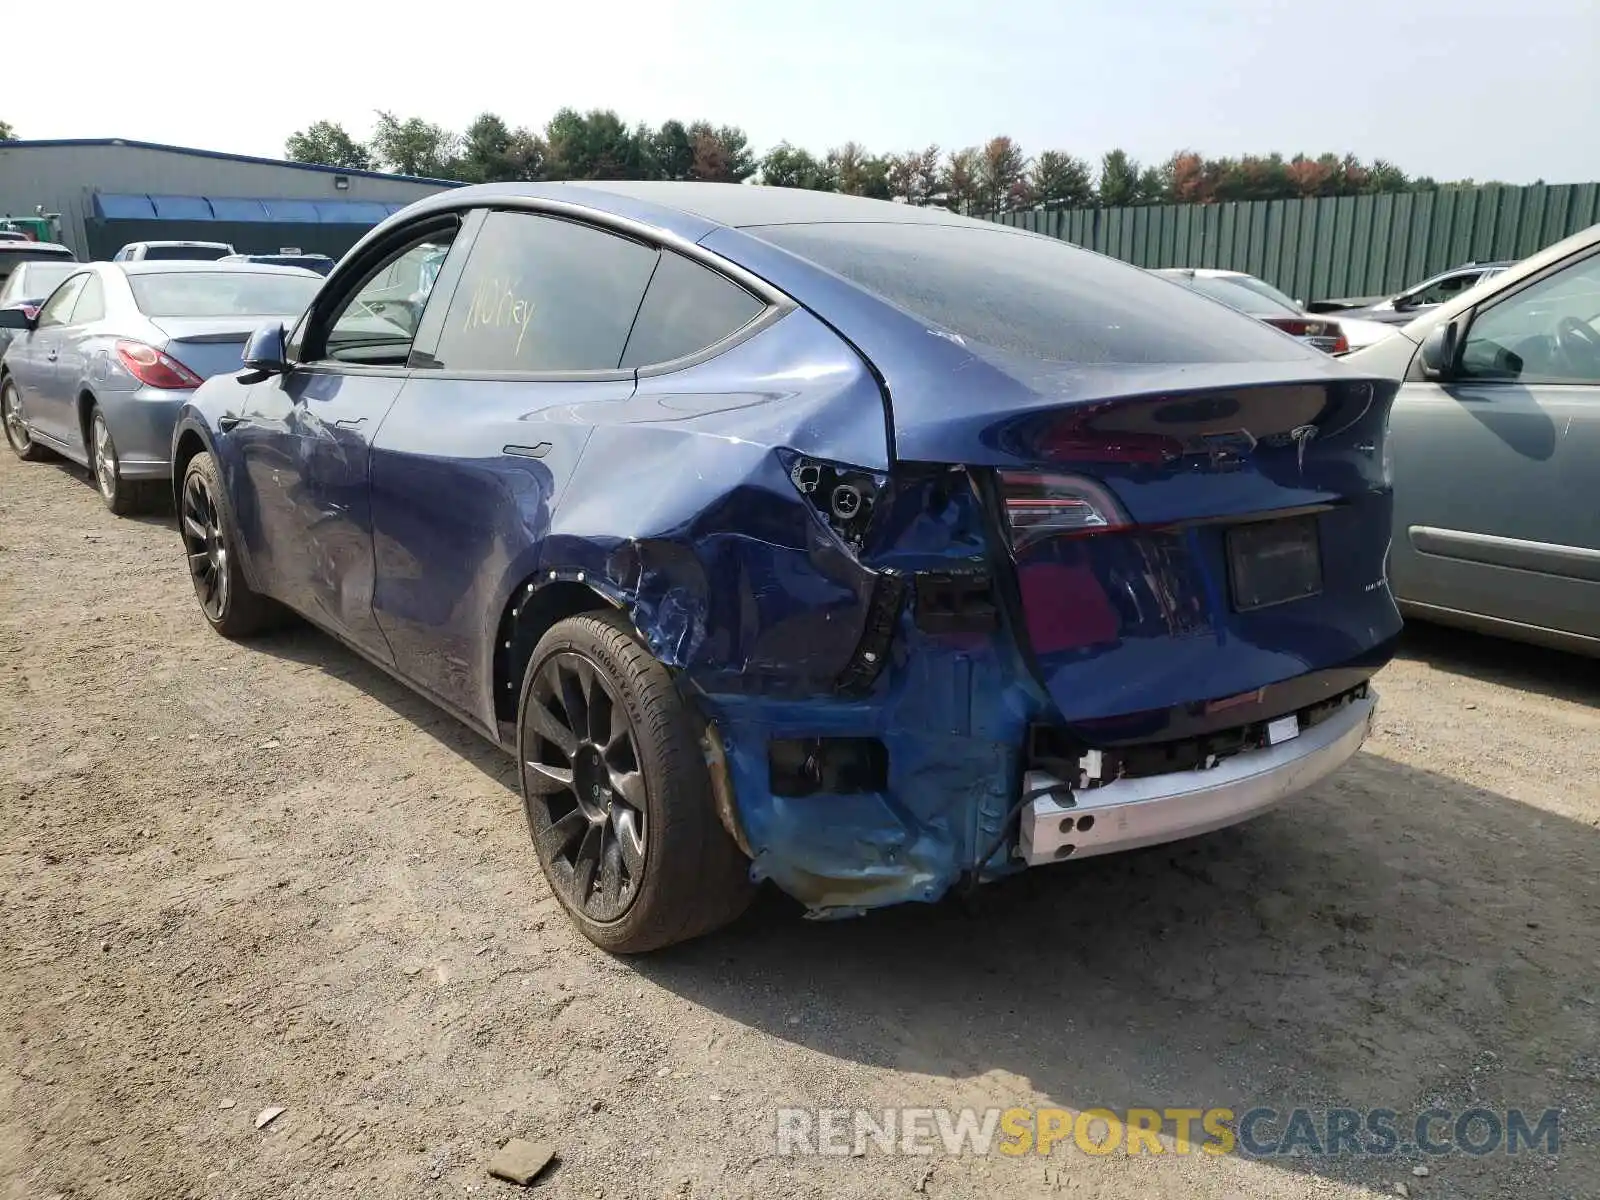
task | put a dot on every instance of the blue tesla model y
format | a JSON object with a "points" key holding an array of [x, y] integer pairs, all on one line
{"points": [[859, 547]]}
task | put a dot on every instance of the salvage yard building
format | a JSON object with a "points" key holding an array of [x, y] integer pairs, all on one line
{"points": [[111, 191]]}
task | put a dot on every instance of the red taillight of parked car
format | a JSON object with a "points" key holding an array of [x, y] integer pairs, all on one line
{"points": [[1325, 335], [1040, 506], [155, 369]]}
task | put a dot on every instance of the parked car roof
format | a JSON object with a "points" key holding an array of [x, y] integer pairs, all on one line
{"points": [[167, 266], [731, 204], [52, 249]]}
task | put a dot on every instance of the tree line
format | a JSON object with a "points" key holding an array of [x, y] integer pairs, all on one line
{"points": [[998, 176]]}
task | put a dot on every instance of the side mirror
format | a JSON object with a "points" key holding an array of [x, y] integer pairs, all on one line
{"points": [[15, 318], [264, 353], [1439, 351]]}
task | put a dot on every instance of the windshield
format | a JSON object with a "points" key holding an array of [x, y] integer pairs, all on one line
{"points": [[1235, 292], [35, 281], [189, 253], [222, 293], [1030, 295]]}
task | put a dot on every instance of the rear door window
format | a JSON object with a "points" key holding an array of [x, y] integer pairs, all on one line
{"points": [[687, 309], [544, 295], [1034, 296]]}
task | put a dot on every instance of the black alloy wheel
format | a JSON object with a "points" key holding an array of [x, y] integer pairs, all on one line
{"points": [[205, 545], [585, 789], [205, 522]]}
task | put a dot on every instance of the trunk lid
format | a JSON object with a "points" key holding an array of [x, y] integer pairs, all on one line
{"points": [[1256, 526], [1000, 350], [211, 345]]}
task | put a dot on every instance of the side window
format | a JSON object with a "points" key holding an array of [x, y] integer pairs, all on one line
{"points": [[377, 324], [541, 294], [58, 309], [91, 304], [687, 308], [1547, 333], [1444, 289]]}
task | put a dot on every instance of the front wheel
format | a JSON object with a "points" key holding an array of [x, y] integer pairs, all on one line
{"points": [[17, 435], [209, 544], [617, 792]]}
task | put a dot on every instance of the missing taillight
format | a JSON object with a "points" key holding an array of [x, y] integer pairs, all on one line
{"points": [[1040, 506], [154, 369], [844, 495]]}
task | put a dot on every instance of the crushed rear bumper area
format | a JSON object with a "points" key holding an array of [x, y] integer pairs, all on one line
{"points": [[1063, 822]]}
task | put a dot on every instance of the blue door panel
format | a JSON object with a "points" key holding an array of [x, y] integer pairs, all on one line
{"points": [[464, 476], [304, 447]]}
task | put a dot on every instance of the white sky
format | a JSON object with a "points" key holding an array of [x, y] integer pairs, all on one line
{"points": [[1450, 88]]}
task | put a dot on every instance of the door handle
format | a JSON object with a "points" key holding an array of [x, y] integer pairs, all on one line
{"points": [[349, 422], [53, 355]]}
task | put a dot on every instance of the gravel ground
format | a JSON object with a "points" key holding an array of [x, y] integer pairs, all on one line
{"points": [[239, 877]]}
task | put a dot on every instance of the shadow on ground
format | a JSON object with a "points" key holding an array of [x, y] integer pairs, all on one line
{"points": [[1393, 939], [301, 643], [1535, 669]]}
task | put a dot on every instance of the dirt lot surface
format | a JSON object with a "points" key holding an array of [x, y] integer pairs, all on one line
{"points": [[238, 877]]}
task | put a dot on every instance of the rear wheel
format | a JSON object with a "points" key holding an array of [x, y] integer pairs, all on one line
{"points": [[17, 435], [204, 519], [120, 495], [617, 792]]}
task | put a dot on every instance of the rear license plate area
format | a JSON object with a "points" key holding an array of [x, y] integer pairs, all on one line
{"points": [[1273, 562]]}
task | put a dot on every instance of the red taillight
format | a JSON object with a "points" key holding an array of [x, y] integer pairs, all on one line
{"points": [[1296, 327], [1042, 506], [155, 369], [1325, 335]]}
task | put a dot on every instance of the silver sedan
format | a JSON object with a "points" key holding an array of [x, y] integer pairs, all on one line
{"points": [[99, 373], [1496, 442]]}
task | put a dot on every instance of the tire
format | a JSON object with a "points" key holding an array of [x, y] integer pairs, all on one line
{"points": [[640, 861], [17, 435], [205, 523], [121, 496]]}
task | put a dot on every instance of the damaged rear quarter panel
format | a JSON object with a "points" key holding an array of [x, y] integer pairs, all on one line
{"points": [[683, 512]]}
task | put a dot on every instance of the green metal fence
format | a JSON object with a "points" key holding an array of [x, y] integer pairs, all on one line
{"points": [[1336, 245]]}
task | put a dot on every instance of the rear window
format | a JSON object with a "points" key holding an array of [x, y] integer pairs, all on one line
{"points": [[1237, 293], [686, 309], [35, 281], [222, 293], [1035, 296], [187, 253], [9, 257]]}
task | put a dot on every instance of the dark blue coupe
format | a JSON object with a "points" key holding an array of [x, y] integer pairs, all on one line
{"points": [[783, 535]]}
